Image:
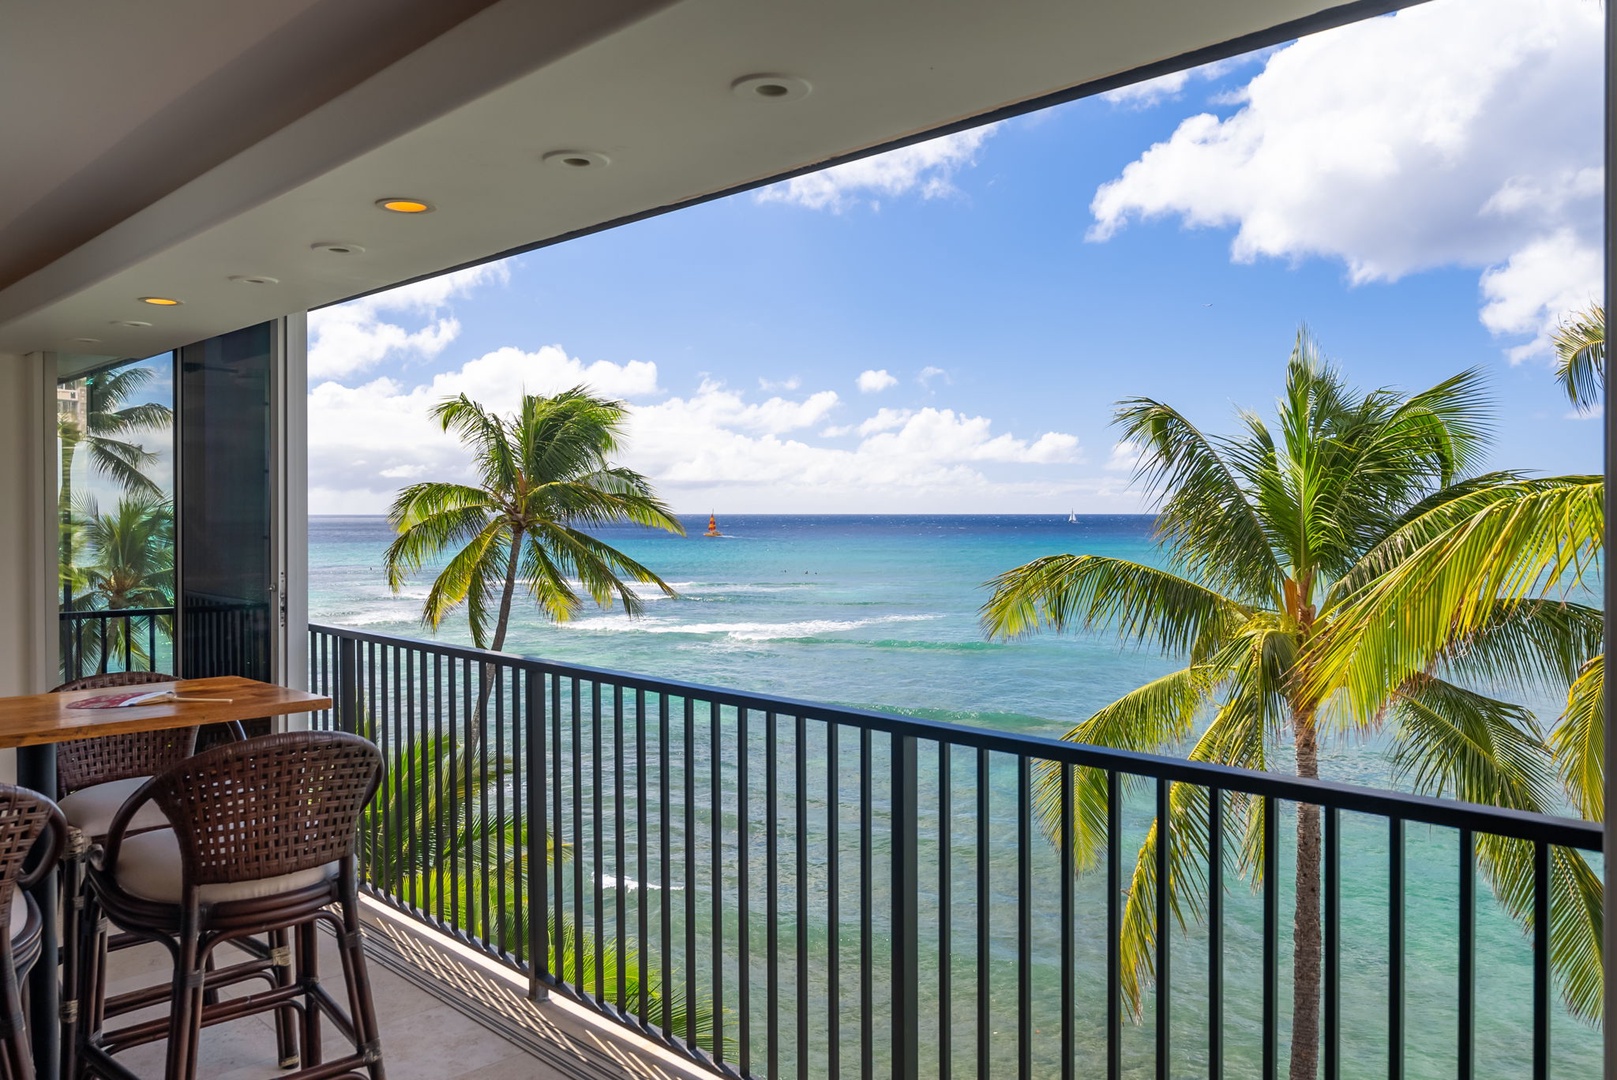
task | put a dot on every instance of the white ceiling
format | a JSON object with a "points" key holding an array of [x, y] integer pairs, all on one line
{"points": [[161, 148]]}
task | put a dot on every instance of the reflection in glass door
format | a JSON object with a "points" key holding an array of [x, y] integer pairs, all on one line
{"points": [[226, 569], [115, 489]]}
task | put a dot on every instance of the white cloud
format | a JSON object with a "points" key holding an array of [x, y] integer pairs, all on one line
{"points": [[784, 384], [1125, 456], [714, 446], [364, 440], [1151, 92], [927, 168], [1448, 134], [354, 337], [884, 420], [872, 382], [928, 373]]}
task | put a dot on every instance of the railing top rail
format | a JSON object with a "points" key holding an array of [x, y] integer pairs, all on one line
{"points": [[1451, 813], [114, 613]]}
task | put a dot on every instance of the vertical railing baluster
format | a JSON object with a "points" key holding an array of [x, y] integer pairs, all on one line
{"points": [[411, 794], [665, 830], [772, 900], [1024, 917], [1164, 913], [348, 686], [1333, 943], [1114, 925], [438, 714], [743, 912], [1271, 940], [642, 909], [1467, 1022], [984, 968], [716, 810], [945, 910], [689, 765], [867, 934], [597, 752], [461, 861], [566, 933], [1069, 961], [492, 779], [1215, 934], [904, 889], [833, 900], [575, 751], [800, 909], [538, 836], [1395, 949], [1541, 960], [619, 866]]}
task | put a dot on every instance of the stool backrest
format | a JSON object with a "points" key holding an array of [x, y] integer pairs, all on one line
{"points": [[26, 817], [82, 763], [268, 806]]}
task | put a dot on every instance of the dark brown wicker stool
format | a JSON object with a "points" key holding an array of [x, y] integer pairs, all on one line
{"points": [[33, 834], [263, 840]]}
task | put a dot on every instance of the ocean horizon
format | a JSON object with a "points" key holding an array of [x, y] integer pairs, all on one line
{"points": [[881, 612]]}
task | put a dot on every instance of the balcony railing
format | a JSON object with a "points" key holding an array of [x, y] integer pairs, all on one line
{"points": [[779, 888], [125, 639]]}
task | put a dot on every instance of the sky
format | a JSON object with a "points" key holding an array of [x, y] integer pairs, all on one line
{"points": [[947, 328]]}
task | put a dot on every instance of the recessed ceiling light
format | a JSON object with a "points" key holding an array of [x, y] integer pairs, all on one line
{"points": [[576, 159], [254, 279], [86, 341], [338, 248], [405, 206], [771, 88], [159, 301], [128, 322]]}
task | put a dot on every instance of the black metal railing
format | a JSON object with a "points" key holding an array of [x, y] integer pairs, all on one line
{"points": [[779, 888], [123, 639]]}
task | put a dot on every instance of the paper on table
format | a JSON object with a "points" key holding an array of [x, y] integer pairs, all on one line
{"points": [[137, 697]]}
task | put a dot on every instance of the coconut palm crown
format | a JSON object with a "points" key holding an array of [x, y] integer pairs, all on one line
{"points": [[544, 476], [1266, 536]]}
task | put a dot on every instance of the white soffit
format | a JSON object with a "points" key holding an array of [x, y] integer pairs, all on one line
{"points": [[464, 122]]}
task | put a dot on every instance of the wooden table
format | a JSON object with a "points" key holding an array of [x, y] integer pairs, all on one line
{"points": [[34, 724]]}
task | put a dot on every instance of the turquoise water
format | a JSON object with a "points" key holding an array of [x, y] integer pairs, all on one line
{"points": [[880, 612]]}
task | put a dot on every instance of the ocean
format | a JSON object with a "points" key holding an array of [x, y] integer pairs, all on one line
{"points": [[881, 612]]}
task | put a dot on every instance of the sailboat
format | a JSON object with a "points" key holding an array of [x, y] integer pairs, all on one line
{"points": [[1072, 517], [712, 526]]}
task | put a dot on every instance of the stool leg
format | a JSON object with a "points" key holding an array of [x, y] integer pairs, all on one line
{"points": [[361, 1008], [309, 977], [74, 900], [190, 983], [286, 1017]]}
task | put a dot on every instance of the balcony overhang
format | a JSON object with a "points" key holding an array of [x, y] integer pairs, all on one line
{"points": [[242, 170]]}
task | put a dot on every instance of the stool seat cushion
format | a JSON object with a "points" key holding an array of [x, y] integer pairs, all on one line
{"points": [[149, 867], [90, 810]]}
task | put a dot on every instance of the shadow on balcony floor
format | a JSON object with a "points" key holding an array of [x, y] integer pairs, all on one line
{"points": [[445, 1015]]}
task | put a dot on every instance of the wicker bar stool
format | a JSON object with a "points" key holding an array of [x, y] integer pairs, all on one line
{"points": [[263, 839], [32, 831], [93, 778]]}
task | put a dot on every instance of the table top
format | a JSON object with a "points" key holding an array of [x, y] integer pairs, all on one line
{"points": [[37, 719]]}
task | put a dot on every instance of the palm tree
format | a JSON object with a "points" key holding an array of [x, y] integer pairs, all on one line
{"points": [[1580, 355], [105, 435], [1266, 534], [128, 564], [543, 477]]}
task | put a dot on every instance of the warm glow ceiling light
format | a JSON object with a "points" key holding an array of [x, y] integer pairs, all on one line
{"points": [[158, 301], [405, 206]]}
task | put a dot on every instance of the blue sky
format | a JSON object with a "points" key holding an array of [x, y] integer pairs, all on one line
{"points": [[946, 329]]}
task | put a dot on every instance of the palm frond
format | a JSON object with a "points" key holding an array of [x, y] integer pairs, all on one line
{"points": [[1580, 356], [1145, 605], [1578, 742]]}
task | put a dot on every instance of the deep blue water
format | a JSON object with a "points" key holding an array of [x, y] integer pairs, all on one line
{"points": [[881, 612]]}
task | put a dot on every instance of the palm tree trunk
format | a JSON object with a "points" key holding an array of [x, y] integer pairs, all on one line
{"points": [[1305, 922]]}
